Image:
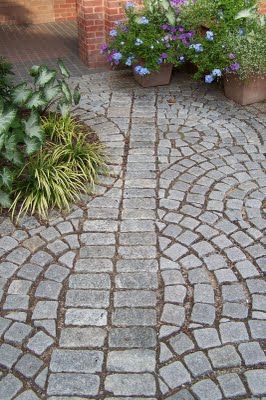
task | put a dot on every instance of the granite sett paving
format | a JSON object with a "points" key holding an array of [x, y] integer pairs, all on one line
{"points": [[153, 288]]}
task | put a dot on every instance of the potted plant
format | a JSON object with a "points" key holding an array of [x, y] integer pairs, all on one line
{"points": [[233, 49], [148, 43]]}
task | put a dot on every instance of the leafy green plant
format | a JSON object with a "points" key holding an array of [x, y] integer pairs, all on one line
{"points": [[66, 166], [146, 39], [225, 30], [5, 78], [21, 106]]}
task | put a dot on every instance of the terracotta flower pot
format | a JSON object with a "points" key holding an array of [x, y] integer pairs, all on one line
{"points": [[247, 91], [156, 78]]}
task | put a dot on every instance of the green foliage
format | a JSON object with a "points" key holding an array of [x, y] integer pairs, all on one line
{"points": [[60, 171], [238, 42], [21, 106], [142, 40], [5, 78]]}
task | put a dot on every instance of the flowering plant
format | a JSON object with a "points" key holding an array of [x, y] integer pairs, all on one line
{"points": [[223, 37], [146, 40]]}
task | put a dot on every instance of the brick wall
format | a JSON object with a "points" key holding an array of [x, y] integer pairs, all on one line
{"points": [[36, 11]]}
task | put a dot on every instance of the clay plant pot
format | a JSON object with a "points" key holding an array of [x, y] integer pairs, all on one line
{"points": [[156, 78], [247, 91]]}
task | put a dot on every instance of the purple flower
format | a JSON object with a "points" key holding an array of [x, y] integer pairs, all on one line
{"points": [[216, 72], [209, 35], [232, 56], [182, 59], [235, 67], [116, 57], [113, 33], [129, 4], [164, 56], [138, 42], [197, 47], [144, 21], [141, 70], [209, 78], [103, 48], [129, 61]]}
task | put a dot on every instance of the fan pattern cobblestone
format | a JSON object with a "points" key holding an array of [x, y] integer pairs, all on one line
{"points": [[153, 288]]}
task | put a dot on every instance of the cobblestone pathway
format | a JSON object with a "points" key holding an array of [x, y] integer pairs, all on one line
{"points": [[154, 289]]}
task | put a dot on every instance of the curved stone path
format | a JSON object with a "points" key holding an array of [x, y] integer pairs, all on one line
{"points": [[154, 288]]}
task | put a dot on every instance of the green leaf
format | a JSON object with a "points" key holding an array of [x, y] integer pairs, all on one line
{"points": [[36, 101], [6, 119], [66, 91], [170, 15], [21, 93], [32, 145], [7, 177], [15, 156], [76, 95], [50, 91], [64, 109], [63, 69], [34, 70], [44, 76], [5, 200], [246, 13], [32, 126], [2, 139]]}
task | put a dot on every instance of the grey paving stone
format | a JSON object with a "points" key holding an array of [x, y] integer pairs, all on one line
{"points": [[87, 298], [235, 310], [85, 317], [207, 390], [72, 384], [175, 374], [173, 314], [175, 294], [28, 365], [136, 280], [41, 378], [198, 275], [82, 337], [131, 361], [56, 273], [16, 302], [246, 269], [233, 332], [203, 313], [29, 271], [258, 329], [134, 316], [233, 292], [190, 261], [19, 286], [256, 285], [176, 251], [134, 298], [39, 343], [181, 343], [9, 355], [172, 277], [225, 275], [136, 265], [8, 243], [7, 269], [231, 385], [252, 353], [207, 338], [85, 361], [9, 387], [181, 395], [48, 324], [4, 324], [256, 381], [34, 243], [138, 337], [17, 332], [131, 384], [224, 357], [90, 281], [41, 258], [18, 256], [197, 363], [50, 234], [45, 310], [94, 265], [48, 289], [27, 395], [203, 293]]}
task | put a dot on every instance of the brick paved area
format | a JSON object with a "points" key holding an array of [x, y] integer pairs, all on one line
{"points": [[27, 45], [154, 288]]}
